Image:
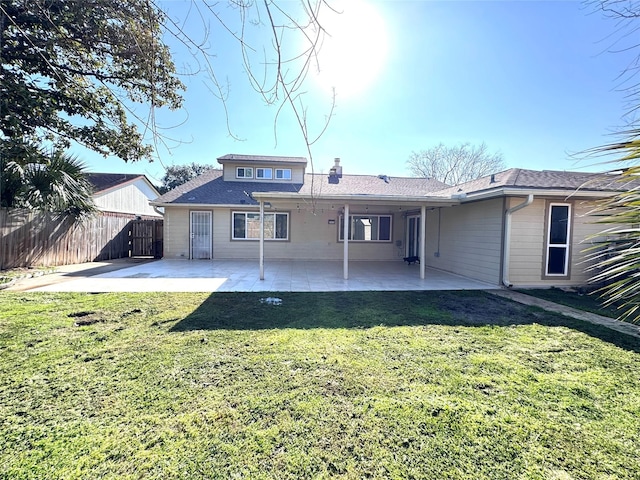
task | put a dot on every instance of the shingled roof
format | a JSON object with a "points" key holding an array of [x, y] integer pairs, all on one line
{"points": [[249, 159], [210, 188], [519, 178], [105, 181]]}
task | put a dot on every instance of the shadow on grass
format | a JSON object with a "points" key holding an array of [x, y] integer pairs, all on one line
{"points": [[246, 311]]}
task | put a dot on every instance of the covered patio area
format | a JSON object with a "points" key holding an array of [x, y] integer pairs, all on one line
{"points": [[283, 276]]}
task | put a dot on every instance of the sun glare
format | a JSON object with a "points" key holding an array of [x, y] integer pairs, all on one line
{"points": [[354, 49]]}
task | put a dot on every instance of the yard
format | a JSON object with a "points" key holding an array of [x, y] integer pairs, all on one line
{"points": [[351, 385]]}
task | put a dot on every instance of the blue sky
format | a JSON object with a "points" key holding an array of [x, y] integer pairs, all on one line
{"points": [[535, 81]]}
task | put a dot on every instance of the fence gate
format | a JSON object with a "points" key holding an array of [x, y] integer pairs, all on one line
{"points": [[145, 238]]}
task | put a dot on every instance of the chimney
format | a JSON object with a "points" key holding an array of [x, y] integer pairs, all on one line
{"points": [[335, 172], [337, 167]]}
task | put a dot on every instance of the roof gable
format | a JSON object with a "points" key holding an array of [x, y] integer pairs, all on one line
{"points": [[106, 181]]}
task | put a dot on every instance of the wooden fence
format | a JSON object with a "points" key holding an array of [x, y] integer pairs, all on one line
{"points": [[38, 239]]}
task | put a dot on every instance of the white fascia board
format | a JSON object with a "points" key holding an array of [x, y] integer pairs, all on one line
{"points": [[388, 199], [519, 192], [204, 205]]}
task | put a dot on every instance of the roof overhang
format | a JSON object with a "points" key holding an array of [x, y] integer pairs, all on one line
{"points": [[539, 192], [350, 198]]}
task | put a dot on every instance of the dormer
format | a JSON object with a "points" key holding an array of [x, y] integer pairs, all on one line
{"points": [[263, 168]]}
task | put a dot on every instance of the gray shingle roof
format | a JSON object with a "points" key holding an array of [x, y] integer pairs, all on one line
{"points": [[543, 180], [104, 181], [234, 157], [210, 188]]}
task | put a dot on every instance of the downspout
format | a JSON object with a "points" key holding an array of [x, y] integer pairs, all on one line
{"points": [[507, 238]]}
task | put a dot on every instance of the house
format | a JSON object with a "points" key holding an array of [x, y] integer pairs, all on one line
{"points": [[517, 227], [122, 194]]}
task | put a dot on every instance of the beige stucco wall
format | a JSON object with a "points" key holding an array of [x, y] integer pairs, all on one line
{"points": [[528, 235], [176, 232], [468, 236], [311, 236]]}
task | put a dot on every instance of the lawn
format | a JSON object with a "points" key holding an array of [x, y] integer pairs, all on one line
{"points": [[589, 301], [404, 385]]}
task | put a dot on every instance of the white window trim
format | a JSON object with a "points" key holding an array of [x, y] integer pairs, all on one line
{"points": [[282, 172], [245, 213], [566, 245], [245, 172], [379, 215], [264, 170]]}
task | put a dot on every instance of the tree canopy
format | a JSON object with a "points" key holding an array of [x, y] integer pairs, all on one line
{"points": [[177, 175], [74, 71], [456, 164]]}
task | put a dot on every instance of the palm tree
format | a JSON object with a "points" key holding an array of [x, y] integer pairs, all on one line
{"points": [[617, 258], [55, 183]]}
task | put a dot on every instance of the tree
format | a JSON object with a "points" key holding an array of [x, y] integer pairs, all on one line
{"points": [[72, 70], [617, 257], [56, 184], [454, 165], [177, 175]]}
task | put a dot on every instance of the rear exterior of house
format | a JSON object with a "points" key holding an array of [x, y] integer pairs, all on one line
{"points": [[519, 228]]}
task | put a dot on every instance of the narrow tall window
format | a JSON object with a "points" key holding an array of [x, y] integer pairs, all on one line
{"points": [[558, 238]]}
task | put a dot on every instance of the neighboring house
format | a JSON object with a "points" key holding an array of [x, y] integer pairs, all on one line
{"points": [[518, 227], [124, 194]]}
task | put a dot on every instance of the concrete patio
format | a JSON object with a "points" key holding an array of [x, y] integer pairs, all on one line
{"points": [[280, 276]]}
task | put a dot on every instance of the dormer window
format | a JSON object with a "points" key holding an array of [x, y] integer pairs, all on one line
{"points": [[264, 173], [244, 172], [283, 173]]}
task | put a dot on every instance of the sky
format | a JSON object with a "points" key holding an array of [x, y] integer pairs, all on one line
{"points": [[538, 82]]}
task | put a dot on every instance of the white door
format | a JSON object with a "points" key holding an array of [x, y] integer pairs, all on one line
{"points": [[201, 235], [413, 236]]}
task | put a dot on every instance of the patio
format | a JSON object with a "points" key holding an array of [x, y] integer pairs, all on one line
{"points": [[280, 276]]}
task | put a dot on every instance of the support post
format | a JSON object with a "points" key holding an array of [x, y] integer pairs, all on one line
{"points": [[261, 240], [345, 237], [423, 243]]}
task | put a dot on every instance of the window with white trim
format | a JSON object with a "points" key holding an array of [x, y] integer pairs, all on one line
{"points": [[264, 173], [283, 173], [246, 226], [244, 172], [558, 239], [367, 228]]}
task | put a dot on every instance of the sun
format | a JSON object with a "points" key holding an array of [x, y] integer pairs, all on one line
{"points": [[354, 48]]}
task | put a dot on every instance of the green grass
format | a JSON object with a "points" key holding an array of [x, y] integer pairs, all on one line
{"points": [[586, 301], [328, 385]]}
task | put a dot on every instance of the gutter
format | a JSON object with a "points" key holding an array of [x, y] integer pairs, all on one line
{"points": [[507, 238]]}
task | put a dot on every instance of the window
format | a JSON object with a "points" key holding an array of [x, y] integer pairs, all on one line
{"points": [[558, 238], [264, 173], [244, 172], [246, 226], [367, 228], [283, 173]]}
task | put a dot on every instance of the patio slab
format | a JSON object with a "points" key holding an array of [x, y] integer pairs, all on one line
{"points": [[280, 276]]}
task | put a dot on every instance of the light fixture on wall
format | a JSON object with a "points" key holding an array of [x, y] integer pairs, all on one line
{"points": [[267, 204]]}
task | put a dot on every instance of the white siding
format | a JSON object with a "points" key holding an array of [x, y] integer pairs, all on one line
{"points": [[469, 238], [132, 198]]}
